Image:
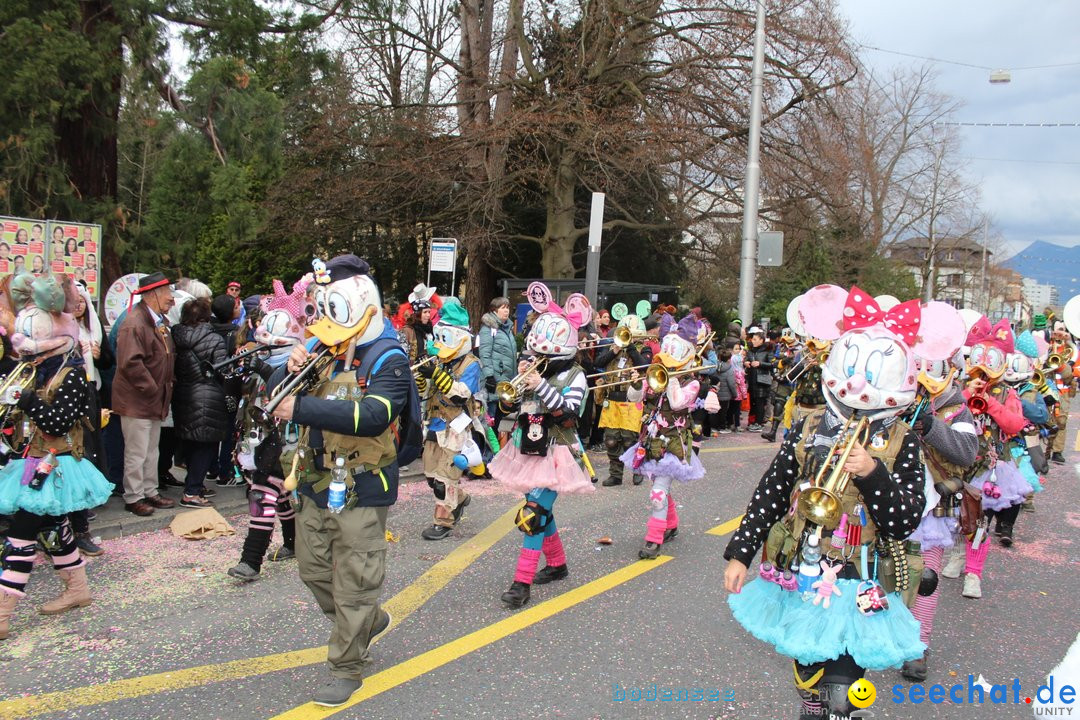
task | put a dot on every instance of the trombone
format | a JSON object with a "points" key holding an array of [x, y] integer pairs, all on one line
{"points": [[658, 376], [622, 337], [509, 391], [814, 353], [422, 363], [295, 383], [615, 373], [238, 358]]}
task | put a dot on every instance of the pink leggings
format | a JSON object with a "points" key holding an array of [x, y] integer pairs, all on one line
{"points": [[976, 559], [926, 605]]}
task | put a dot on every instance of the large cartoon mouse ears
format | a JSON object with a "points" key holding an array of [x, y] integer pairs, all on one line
{"points": [[578, 310], [933, 330]]}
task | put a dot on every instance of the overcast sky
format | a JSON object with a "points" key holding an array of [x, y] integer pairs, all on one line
{"points": [[1030, 177]]}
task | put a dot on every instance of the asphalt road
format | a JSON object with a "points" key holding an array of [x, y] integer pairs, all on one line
{"points": [[164, 606]]}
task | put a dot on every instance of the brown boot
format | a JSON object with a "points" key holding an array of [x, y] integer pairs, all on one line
{"points": [[7, 609], [76, 592]]}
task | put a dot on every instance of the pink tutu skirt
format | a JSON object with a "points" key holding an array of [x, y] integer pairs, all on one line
{"points": [[559, 470]]}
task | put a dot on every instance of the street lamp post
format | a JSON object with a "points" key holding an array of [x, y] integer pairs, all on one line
{"points": [[751, 186]]}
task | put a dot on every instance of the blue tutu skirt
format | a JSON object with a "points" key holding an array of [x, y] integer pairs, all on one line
{"points": [[811, 633], [667, 466], [1023, 461], [1011, 485], [73, 485], [934, 532]]}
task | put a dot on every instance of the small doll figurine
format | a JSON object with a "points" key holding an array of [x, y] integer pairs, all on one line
{"points": [[826, 586]]}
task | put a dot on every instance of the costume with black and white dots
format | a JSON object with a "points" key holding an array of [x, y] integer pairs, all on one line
{"points": [[894, 499]]}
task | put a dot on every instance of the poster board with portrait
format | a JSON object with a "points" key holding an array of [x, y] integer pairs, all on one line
{"points": [[22, 245], [75, 249]]}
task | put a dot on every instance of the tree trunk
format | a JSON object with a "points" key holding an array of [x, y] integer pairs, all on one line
{"points": [[557, 245]]}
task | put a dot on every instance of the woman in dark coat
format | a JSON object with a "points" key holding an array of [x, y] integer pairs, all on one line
{"points": [[198, 402]]}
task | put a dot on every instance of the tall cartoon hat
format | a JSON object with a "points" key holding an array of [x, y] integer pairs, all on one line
{"points": [[44, 325], [555, 332], [347, 302], [871, 366], [635, 320], [451, 337]]}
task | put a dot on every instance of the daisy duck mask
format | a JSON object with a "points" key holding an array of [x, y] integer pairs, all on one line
{"points": [[990, 348], [285, 316], [555, 332], [678, 346], [1020, 364], [347, 301], [44, 325], [871, 366], [936, 376], [452, 338]]}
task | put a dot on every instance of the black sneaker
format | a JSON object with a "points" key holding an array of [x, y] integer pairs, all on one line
{"points": [[517, 595], [282, 553], [436, 532], [1057, 458], [168, 480], [649, 552], [381, 625], [1005, 536], [670, 533], [231, 481], [195, 501], [550, 574], [612, 482], [207, 492], [460, 509]]}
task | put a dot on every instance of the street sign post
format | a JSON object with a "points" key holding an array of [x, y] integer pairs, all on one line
{"points": [[770, 249], [442, 257]]}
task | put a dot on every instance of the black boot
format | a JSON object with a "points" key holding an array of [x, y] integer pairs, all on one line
{"points": [[670, 533], [612, 481], [550, 574], [915, 670], [1056, 457], [517, 595], [770, 433], [1005, 530], [649, 551]]}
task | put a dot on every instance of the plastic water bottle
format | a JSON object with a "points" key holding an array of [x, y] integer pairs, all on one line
{"points": [[809, 570], [44, 468], [335, 500]]}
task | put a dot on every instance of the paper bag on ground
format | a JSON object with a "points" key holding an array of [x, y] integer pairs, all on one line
{"points": [[200, 524]]}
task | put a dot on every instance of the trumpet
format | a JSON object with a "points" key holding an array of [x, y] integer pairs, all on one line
{"points": [[622, 337], [19, 380], [615, 375], [1054, 361], [238, 358], [509, 391], [658, 376], [820, 504], [294, 384], [422, 363]]}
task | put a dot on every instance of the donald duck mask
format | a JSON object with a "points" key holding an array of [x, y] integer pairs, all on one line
{"points": [[347, 302]]}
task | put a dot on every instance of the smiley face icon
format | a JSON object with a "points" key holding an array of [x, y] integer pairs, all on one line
{"points": [[862, 693]]}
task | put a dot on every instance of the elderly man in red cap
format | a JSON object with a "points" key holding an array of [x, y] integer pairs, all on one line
{"points": [[142, 390]]}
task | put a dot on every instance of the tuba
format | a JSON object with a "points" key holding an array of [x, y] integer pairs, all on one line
{"points": [[821, 503]]}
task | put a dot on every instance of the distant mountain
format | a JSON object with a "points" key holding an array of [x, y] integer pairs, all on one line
{"points": [[1050, 264]]}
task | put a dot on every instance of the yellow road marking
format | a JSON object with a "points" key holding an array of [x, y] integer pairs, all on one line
{"points": [[725, 528], [433, 659], [400, 606], [1076, 445], [762, 446]]}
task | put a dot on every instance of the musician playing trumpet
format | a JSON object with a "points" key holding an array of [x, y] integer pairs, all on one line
{"points": [[349, 415], [620, 419]]}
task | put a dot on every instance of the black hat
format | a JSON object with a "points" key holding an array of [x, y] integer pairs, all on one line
{"points": [[223, 307], [151, 281], [341, 267]]}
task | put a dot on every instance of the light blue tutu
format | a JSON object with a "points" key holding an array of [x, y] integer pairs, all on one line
{"points": [[1027, 469], [74, 485], [667, 466], [811, 634]]}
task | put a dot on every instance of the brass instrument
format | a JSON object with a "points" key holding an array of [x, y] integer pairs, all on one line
{"points": [[615, 381], [238, 358], [509, 391], [814, 353], [1054, 361], [295, 383], [422, 363], [622, 337], [820, 504], [658, 376], [19, 380]]}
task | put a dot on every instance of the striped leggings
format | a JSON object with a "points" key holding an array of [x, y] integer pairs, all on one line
{"points": [[267, 502], [19, 551]]}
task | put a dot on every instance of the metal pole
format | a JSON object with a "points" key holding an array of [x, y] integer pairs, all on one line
{"points": [[984, 292], [592, 262], [751, 185]]}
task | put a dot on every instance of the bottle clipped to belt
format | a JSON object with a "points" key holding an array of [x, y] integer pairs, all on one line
{"points": [[335, 499], [44, 468]]}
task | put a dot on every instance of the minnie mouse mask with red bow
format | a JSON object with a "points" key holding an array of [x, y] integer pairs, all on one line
{"points": [[871, 364], [555, 332]]}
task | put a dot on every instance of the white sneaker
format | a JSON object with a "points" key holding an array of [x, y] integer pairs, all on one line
{"points": [[955, 566], [972, 586]]}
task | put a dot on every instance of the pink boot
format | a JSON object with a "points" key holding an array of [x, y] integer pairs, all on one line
{"points": [[654, 538], [556, 561]]}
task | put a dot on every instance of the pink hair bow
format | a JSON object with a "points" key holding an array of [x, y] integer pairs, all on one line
{"points": [[862, 310]]}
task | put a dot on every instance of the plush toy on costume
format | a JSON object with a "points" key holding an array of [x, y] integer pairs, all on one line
{"points": [[845, 489], [545, 456], [452, 377], [47, 476], [664, 451], [620, 418], [283, 325]]}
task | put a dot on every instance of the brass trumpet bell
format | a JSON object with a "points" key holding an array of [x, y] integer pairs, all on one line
{"points": [[509, 391], [658, 376], [821, 503]]}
